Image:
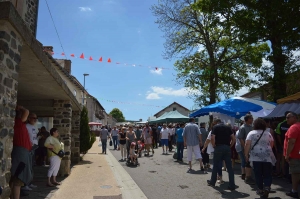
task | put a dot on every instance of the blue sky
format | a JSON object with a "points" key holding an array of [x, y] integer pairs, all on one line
{"points": [[123, 30]]}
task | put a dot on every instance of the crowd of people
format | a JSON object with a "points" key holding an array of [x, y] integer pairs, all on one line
{"points": [[267, 148], [32, 146]]}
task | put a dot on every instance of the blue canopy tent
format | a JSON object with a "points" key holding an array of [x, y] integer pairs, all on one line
{"points": [[235, 107]]}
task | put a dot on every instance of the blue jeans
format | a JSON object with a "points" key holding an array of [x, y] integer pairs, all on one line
{"points": [[115, 141], [243, 160], [222, 153], [263, 174], [180, 148], [104, 143]]}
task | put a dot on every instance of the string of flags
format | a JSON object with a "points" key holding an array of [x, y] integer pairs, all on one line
{"points": [[131, 103], [109, 60]]}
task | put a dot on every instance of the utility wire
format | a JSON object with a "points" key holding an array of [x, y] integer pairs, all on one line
{"points": [[56, 29]]}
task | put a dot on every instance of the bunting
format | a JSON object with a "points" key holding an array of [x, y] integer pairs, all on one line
{"points": [[109, 60], [129, 103]]}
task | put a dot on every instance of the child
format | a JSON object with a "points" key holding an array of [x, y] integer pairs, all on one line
{"points": [[132, 154]]}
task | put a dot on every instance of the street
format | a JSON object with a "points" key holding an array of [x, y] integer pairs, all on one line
{"points": [[159, 176]]}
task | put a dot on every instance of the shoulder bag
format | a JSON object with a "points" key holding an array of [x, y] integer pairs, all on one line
{"points": [[257, 140], [61, 153]]}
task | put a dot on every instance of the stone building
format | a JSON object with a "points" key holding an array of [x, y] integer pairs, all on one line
{"points": [[29, 77], [172, 107]]}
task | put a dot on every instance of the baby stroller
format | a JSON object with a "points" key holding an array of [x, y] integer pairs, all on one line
{"points": [[139, 148], [132, 152]]}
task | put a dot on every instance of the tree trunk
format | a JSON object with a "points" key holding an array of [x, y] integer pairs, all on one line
{"points": [[278, 60]]}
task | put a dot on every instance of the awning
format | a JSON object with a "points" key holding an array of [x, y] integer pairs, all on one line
{"points": [[280, 109], [295, 96], [234, 107], [95, 124]]}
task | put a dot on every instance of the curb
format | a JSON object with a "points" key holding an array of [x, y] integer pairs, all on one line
{"points": [[127, 185]]}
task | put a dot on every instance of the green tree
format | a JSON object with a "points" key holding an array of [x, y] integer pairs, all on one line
{"points": [[87, 138], [271, 21], [211, 60], [117, 114]]}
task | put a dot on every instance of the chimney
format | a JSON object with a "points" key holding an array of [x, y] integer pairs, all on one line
{"points": [[49, 50], [67, 66]]}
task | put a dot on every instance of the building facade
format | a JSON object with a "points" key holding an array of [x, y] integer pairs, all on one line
{"points": [[172, 107]]}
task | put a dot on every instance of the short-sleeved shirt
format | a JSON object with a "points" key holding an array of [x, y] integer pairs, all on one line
{"points": [[191, 133], [104, 134], [243, 131], [138, 133], [114, 132], [222, 134], [179, 132], [32, 131], [238, 146], [165, 132], [21, 136], [281, 129], [204, 134], [262, 151], [293, 133], [147, 132]]}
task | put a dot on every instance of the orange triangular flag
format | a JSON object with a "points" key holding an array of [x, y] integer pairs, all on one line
{"points": [[63, 54], [100, 59], [109, 61], [82, 56], [91, 58], [72, 55]]}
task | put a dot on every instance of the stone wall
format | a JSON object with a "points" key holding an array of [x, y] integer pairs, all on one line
{"points": [[10, 48], [62, 121], [28, 10], [75, 137]]}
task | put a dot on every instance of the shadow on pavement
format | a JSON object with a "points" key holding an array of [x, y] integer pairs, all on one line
{"points": [[40, 180]]}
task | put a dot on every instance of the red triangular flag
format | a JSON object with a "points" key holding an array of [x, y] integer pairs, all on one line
{"points": [[91, 58], [72, 55], [63, 54], [100, 59], [52, 53], [82, 56], [109, 61]]}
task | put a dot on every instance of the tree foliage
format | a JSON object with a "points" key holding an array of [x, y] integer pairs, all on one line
{"points": [[273, 21], [210, 56], [87, 138], [117, 114]]}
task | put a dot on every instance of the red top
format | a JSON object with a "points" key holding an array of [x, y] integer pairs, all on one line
{"points": [[293, 133], [21, 136]]}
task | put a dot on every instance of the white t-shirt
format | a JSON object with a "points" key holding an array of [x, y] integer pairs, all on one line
{"points": [[32, 131], [210, 147], [165, 133]]}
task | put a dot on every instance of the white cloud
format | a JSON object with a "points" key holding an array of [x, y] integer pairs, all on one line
{"points": [[157, 91], [85, 9], [157, 71], [152, 96], [242, 91]]}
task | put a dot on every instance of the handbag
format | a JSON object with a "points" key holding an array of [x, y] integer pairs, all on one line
{"points": [[110, 143], [60, 153]]}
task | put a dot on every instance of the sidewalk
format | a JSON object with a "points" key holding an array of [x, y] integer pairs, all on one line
{"points": [[98, 176]]}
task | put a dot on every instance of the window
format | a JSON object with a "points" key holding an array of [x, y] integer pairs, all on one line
{"points": [[74, 92], [174, 108]]}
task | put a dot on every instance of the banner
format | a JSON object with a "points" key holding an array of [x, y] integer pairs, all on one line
{"points": [[90, 58]]}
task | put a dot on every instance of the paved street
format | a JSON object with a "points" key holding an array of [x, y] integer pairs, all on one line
{"points": [[160, 177]]}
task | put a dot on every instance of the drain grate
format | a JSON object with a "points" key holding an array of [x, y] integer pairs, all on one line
{"points": [[105, 186]]}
